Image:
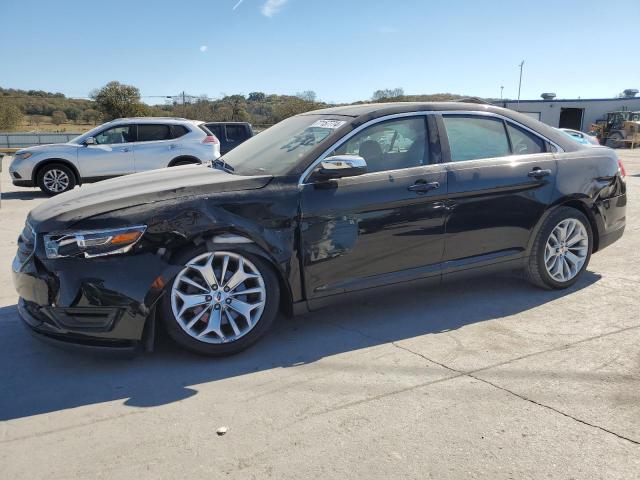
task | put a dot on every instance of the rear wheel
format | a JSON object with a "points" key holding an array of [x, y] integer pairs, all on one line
{"points": [[562, 249], [614, 141], [56, 178], [220, 302]]}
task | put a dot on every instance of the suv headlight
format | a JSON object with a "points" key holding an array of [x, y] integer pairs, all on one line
{"points": [[92, 243]]}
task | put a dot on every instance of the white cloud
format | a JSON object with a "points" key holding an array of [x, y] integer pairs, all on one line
{"points": [[204, 48], [238, 4], [271, 7]]}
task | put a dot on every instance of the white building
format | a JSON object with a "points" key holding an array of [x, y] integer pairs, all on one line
{"points": [[577, 114]]}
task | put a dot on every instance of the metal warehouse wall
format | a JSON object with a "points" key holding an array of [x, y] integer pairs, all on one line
{"points": [[595, 109]]}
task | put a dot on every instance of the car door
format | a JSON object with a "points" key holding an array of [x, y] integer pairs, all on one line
{"points": [[219, 131], [236, 134], [500, 179], [110, 156], [154, 146], [380, 227]]}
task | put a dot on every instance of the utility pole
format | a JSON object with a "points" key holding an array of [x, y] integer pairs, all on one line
{"points": [[520, 83], [184, 105], [501, 89]]}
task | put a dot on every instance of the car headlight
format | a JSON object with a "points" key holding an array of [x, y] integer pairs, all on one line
{"points": [[23, 156], [92, 243]]}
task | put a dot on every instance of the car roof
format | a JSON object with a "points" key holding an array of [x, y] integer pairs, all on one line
{"points": [[156, 120], [365, 112]]}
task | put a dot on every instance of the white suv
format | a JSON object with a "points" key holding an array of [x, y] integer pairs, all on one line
{"points": [[119, 147]]}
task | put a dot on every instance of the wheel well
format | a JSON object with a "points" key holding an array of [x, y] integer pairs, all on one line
{"points": [[286, 298], [184, 158], [66, 163], [580, 206]]}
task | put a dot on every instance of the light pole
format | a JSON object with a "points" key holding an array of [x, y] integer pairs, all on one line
{"points": [[520, 82], [501, 89]]}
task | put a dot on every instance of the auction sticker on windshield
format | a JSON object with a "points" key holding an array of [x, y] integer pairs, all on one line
{"points": [[333, 124]]}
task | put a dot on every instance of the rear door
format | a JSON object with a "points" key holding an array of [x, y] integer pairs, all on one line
{"points": [[111, 156], [155, 146], [219, 131], [500, 179]]}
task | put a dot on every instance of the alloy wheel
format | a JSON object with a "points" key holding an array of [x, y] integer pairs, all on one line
{"points": [[55, 180], [218, 297], [566, 250]]}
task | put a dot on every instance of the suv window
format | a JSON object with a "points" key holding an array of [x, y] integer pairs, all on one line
{"points": [[114, 135], [151, 132], [237, 133], [390, 145], [472, 137], [178, 131], [218, 131], [525, 143]]}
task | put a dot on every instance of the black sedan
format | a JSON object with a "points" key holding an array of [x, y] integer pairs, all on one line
{"points": [[322, 204]]}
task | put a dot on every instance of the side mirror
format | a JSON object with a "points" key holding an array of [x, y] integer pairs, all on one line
{"points": [[340, 166], [90, 141]]}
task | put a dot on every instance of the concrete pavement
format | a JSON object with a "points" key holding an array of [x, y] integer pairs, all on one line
{"points": [[489, 378]]}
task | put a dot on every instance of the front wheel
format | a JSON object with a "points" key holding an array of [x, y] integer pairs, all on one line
{"points": [[220, 302], [56, 178], [562, 249], [614, 141]]}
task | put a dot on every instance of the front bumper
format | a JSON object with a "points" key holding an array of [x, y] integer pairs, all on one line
{"points": [[90, 302]]}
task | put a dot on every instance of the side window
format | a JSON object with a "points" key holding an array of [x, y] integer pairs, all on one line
{"points": [[218, 131], [237, 133], [473, 137], [115, 135], [151, 132], [178, 131], [390, 145], [523, 142]]}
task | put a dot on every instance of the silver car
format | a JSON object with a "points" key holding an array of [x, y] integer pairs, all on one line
{"points": [[119, 147]]}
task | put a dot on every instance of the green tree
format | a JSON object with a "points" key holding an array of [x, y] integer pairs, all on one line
{"points": [[90, 116], [58, 117], [116, 100], [10, 116], [256, 97]]}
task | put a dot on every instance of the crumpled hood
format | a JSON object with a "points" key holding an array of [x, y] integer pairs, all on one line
{"points": [[153, 186]]}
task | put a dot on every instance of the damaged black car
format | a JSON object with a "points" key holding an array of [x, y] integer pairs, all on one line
{"points": [[318, 206]]}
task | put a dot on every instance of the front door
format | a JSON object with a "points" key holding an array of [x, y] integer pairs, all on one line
{"points": [[111, 156], [380, 227], [500, 181]]}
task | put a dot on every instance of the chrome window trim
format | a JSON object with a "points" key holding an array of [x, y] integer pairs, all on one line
{"points": [[304, 180], [508, 120], [304, 177]]}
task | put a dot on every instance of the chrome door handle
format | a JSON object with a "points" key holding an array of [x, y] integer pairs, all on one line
{"points": [[423, 186], [126, 149], [539, 173]]}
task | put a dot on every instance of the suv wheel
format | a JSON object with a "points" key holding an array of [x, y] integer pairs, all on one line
{"points": [[562, 249], [56, 178], [220, 302]]}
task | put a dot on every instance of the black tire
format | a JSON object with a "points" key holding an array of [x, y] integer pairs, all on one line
{"points": [[179, 163], [614, 141], [536, 270], [269, 313], [56, 169]]}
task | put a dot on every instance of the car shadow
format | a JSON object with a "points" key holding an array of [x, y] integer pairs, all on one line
{"points": [[23, 195], [38, 378]]}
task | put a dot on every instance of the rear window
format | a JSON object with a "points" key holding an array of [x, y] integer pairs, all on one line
{"points": [[237, 133], [217, 130], [152, 132], [178, 131], [472, 137]]}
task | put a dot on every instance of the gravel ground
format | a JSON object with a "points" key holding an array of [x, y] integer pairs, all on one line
{"points": [[489, 378]]}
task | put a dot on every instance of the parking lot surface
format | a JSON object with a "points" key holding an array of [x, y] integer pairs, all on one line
{"points": [[490, 378]]}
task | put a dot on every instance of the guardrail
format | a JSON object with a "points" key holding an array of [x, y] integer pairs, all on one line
{"points": [[21, 140]]}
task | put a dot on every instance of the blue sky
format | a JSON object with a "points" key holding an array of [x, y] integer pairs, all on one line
{"points": [[341, 49]]}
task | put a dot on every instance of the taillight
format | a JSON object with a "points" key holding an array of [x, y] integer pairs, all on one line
{"points": [[211, 139], [621, 169]]}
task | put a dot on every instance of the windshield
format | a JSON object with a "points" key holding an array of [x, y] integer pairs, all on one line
{"points": [[278, 149]]}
